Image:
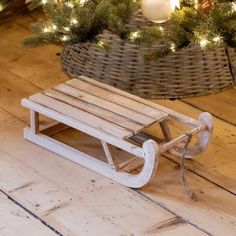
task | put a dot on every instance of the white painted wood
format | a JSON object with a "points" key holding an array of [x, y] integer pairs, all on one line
{"points": [[100, 102], [81, 116], [103, 113], [165, 147], [137, 151], [34, 121], [71, 110], [166, 130], [124, 101], [110, 154], [131, 164], [151, 156], [204, 138], [175, 115]]}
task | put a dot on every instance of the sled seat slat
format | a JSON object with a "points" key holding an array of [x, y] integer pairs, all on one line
{"points": [[81, 116], [172, 114], [100, 102], [95, 110], [146, 113]]}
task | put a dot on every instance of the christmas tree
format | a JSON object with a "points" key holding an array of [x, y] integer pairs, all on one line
{"points": [[208, 23]]}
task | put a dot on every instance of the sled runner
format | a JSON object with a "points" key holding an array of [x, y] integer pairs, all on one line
{"points": [[119, 120]]}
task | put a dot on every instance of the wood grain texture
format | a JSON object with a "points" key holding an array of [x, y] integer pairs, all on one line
{"points": [[213, 212], [15, 221], [80, 115], [111, 139], [106, 104], [66, 110], [95, 110], [66, 195], [166, 190], [222, 105], [218, 163], [115, 96], [156, 106]]}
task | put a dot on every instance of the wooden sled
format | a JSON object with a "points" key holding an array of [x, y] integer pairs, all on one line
{"points": [[118, 119]]}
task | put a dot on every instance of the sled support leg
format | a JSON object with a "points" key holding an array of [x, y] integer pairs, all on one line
{"points": [[110, 155], [166, 130], [34, 121]]}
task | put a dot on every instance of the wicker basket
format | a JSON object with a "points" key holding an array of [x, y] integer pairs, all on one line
{"points": [[189, 72], [232, 61]]}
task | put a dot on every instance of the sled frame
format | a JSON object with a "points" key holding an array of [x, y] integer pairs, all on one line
{"points": [[117, 119]]}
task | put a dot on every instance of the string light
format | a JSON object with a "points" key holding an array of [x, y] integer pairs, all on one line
{"points": [[173, 47], [44, 2], [65, 38], [69, 4], [233, 7], [134, 35], [175, 4], [203, 42], [217, 39], [50, 28], [67, 29], [73, 21], [82, 2], [54, 27], [46, 29], [101, 43]]}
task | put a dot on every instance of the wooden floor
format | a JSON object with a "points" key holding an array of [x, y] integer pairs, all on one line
{"points": [[43, 194]]}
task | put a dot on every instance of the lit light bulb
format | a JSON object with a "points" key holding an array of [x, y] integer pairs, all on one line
{"points": [[66, 28], [82, 2], [73, 21], [54, 27], [44, 2], [65, 38], [217, 39], [173, 47], [69, 4], [134, 35], [158, 11], [46, 29], [1, 7], [101, 43], [233, 7], [174, 4], [203, 42]]}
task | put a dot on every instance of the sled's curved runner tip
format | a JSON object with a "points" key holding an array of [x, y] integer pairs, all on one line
{"points": [[204, 139], [119, 120]]}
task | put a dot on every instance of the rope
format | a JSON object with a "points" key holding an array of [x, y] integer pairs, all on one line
{"points": [[185, 184]]}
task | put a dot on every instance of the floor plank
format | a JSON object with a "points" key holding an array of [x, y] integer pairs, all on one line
{"points": [[66, 195], [39, 68], [166, 190], [5, 116], [15, 221], [53, 182], [218, 163], [222, 105]]}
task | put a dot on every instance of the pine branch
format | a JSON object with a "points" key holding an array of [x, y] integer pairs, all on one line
{"points": [[70, 21]]}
